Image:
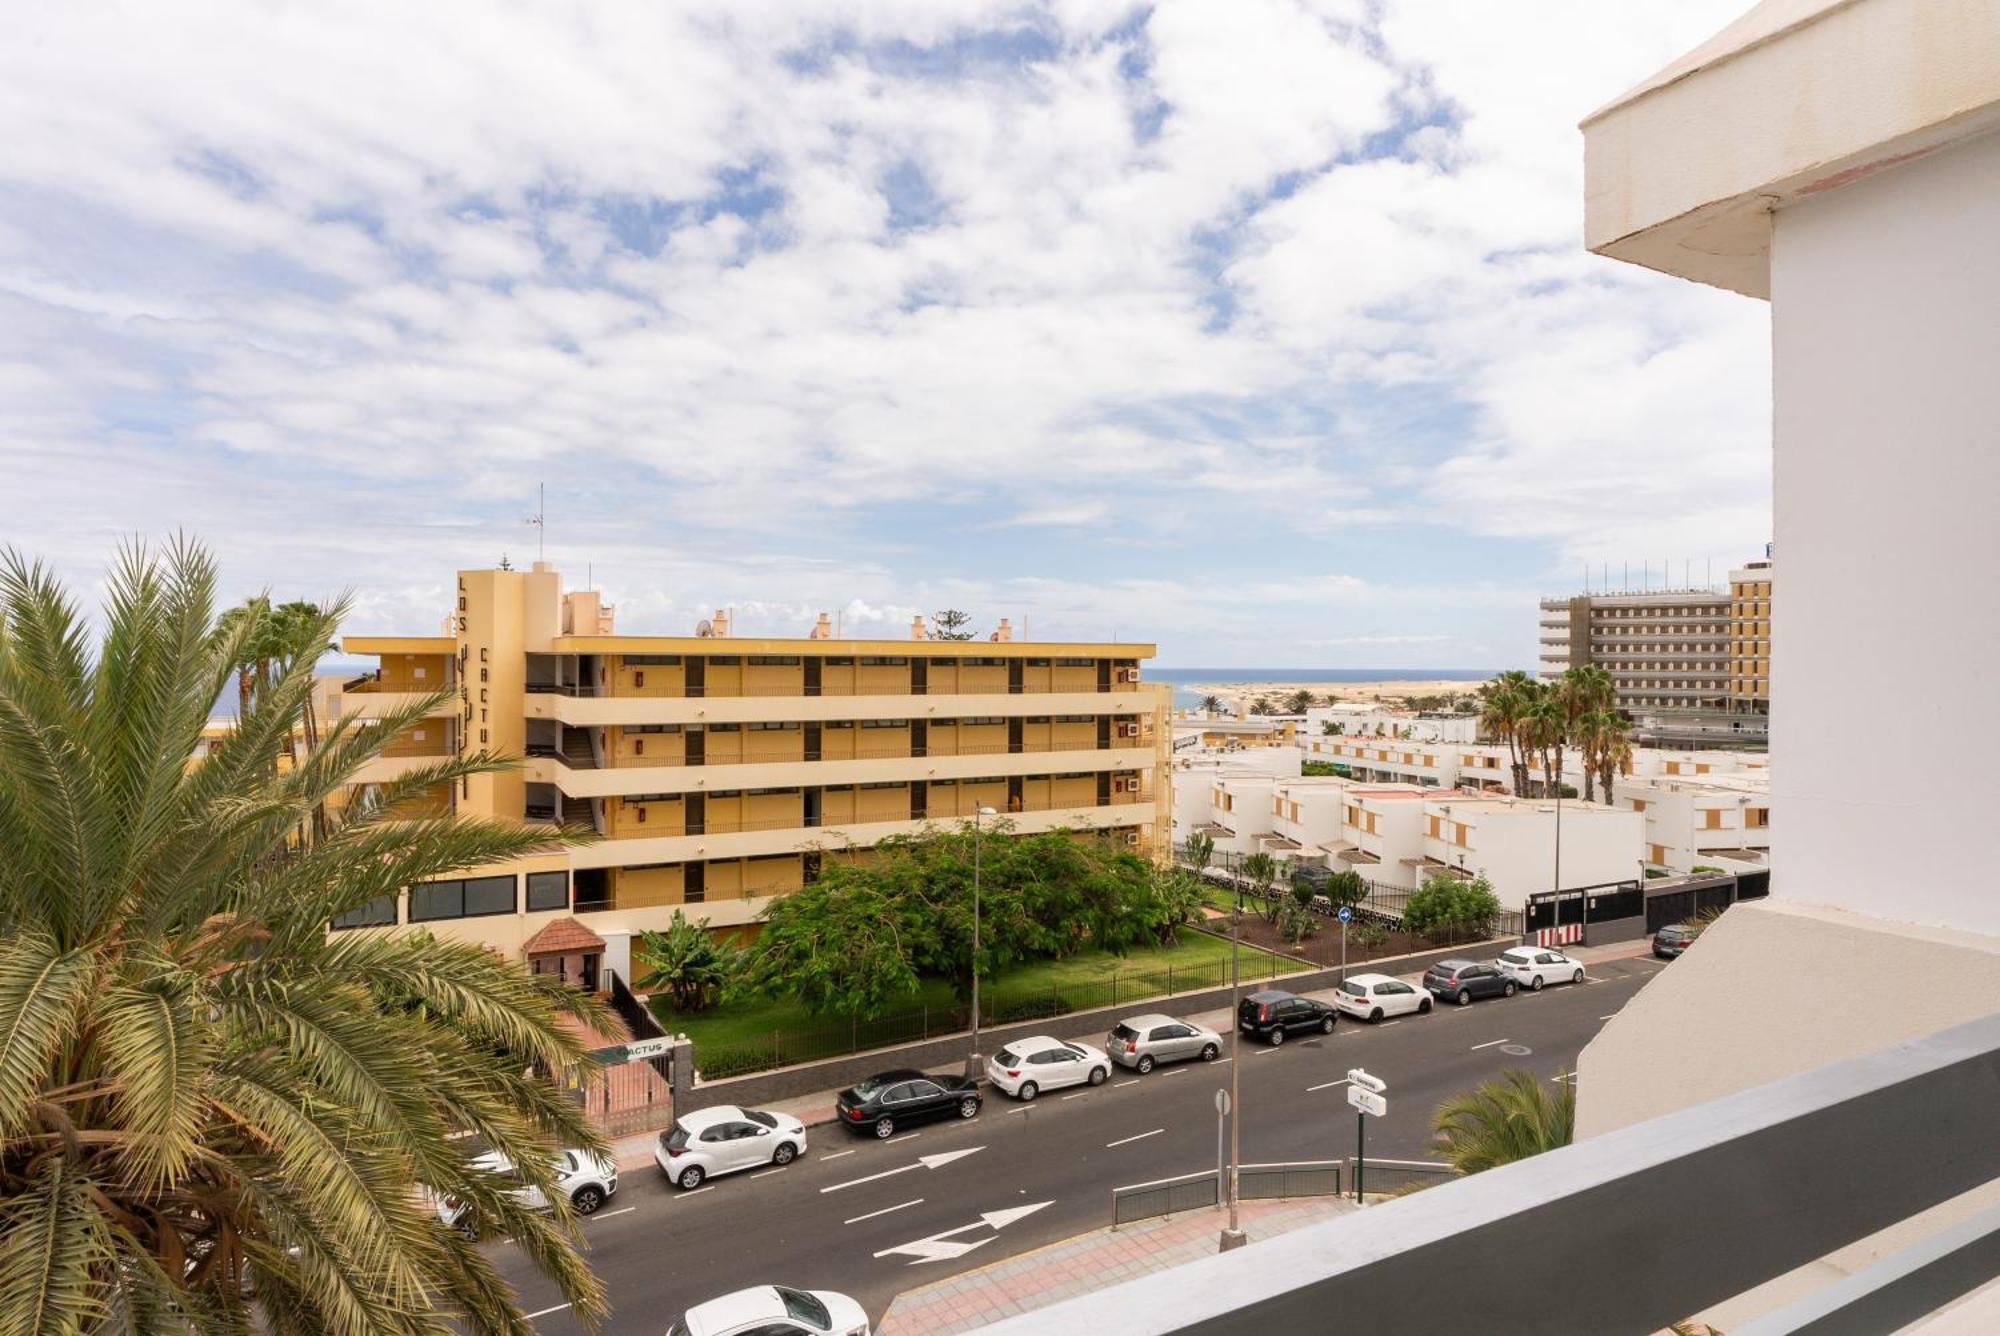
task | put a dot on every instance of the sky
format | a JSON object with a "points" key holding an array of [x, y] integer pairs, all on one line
{"points": [[1261, 330]]}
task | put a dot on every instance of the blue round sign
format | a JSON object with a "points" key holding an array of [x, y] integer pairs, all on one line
{"points": [[1346, 914]]}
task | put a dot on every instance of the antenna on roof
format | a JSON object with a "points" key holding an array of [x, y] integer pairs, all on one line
{"points": [[540, 519]]}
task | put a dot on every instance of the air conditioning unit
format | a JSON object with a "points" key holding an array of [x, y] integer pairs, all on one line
{"points": [[1128, 730], [1131, 837], [1128, 674]]}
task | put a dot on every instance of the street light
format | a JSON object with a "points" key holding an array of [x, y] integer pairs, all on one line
{"points": [[972, 1057], [1232, 1236]]}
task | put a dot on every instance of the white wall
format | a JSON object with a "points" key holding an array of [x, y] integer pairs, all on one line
{"points": [[1887, 386]]}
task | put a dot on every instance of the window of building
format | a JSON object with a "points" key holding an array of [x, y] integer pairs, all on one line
{"points": [[652, 660], [774, 660], [885, 723], [772, 727], [377, 913], [476, 897], [888, 660], [548, 890], [652, 728]]}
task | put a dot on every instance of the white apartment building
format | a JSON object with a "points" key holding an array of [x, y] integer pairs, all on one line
{"points": [[1721, 821], [1357, 719], [1226, 796], [1307, 816], [1512, 843], [1860, 196], [1382, 832], [1440, 765]]}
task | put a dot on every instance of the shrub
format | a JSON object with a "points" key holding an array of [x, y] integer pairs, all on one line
{"points": [[1444, 908], [1297, 922]]}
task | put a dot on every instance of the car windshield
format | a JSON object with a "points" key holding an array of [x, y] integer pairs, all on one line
{"points": [[1007, 1057], [1124, 1031], [1517, 957], [804, 1308], [759, 1116], [1354, 989], [674, 1137], [867, 1089]]}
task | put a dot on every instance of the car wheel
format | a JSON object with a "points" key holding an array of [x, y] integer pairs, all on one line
{"points": [[1507, 989], [885, 1128], [1028, 1090], [787, 1152], [1375, 1016], [1099, 1075], [1277, 1036], [1326, 1026], [1424, 1007], [1576, 977], [1145, 1064], [1535, 984], [587, 1199], [467, 1227], [691, 1177], [968, 1107], [1464, 997], [1209, 1052]]}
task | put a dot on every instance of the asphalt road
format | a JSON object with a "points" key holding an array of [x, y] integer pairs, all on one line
{"points": [[872, 1219]]}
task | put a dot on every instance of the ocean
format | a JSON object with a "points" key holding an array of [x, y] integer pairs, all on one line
{"points": [[1185, 679]]}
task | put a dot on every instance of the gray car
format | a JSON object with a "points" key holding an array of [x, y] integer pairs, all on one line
{"points": [[1140, 1042]]}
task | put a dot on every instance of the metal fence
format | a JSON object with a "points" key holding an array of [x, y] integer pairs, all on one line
{"points": [[1391, 1177], [1380, 903], [784, 1047], [1254, 1182]]}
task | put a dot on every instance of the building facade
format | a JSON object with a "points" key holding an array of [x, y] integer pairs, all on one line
{"points": [[1666, 649], [1750, 638], [721, 772]]}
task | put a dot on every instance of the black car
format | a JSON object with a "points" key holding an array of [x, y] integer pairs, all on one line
{"points": [[890, 1100], [1272, 1013], [1461, 981], [1671, 940]]}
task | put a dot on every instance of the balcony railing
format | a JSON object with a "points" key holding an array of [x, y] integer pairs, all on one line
{"points": [[715, 692], [1638, 1228], [904, 753], [649, 830]]}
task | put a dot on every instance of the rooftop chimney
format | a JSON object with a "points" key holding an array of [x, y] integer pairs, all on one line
{"points": [[917, 629], [823, 628], [1004, 632]]}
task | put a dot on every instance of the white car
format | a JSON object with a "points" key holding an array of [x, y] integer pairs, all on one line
{"points": [[1027, 1067], [1533, 966], [587, 1180], [1373, 996], [724, 1139], [774, 1310]]}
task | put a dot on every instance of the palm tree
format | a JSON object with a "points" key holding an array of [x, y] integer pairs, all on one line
{"points": [[213, 1111], [1545, 724], [1503, 1120], [1211, 704], [1262, 870], [1507, 699], [1614, 749], [688, 962]]}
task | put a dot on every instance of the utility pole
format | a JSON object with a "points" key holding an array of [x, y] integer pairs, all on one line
{"points": [[972, 1055], [1232, 1235]]}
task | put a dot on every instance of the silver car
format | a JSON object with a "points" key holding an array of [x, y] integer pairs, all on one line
{"points": [[1140, 1042]]}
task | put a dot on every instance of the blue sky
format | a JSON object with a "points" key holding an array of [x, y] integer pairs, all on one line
{"points": [[1260, 330]]}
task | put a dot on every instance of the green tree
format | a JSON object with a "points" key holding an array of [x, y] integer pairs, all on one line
{"points": [[1198, 848], [1299, 701], [1503, 718], [1346, 889], [838, 946], [1261, 870], [1211, 704], [212, 1110], [1295, 921], [688, 962], [1509, 1118], [1445, 908], [951, 624]]}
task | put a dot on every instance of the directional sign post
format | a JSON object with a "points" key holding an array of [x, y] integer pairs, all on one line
{"points": [[1221, 1118], [1345, 915], [1367, 1094]]}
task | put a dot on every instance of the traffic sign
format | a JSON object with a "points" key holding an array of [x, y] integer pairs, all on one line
{"points": [[1346, 915], [1356, 1076], [1222, 1101], [1367, 1101]]}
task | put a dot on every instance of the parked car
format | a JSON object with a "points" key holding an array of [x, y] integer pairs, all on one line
{"points": [[1027, 1067], [885, 1102], [1462, 981], [1272, 1013], [1671, 940], [724, 1139], [1533, 966], [1373, 996], [586, 1180], [774, 1310], [1140, 1042]]}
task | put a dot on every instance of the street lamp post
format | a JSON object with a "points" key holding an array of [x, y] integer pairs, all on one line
{"points": [[972, 1057], [1232, 1236]]}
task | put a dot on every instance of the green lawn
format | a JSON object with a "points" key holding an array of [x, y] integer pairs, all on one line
{"points": [[1082, 981]]}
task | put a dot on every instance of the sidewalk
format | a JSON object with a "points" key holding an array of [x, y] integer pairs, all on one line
{"points": [[1086, 1263], [636, 1151]]}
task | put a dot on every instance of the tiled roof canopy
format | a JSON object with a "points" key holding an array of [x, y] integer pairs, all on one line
{"points": [[562, 937]]}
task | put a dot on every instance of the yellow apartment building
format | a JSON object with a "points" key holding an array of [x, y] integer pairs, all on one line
{"points": [[1750, 638], [723, 771]]}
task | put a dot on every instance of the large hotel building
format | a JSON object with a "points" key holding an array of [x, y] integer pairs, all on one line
{"points": [[722, 772]]}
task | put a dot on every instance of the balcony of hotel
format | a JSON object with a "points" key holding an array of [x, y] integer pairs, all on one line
{"points": [[372, 695]]}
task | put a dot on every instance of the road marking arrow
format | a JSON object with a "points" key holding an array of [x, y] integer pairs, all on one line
{"points": [[941, 1246], [923, 1162]]}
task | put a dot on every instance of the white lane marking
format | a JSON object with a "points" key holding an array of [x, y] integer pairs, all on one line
{"points": [[1570, 1077], [937, 1161], [606, 1215], [1116, 1084], [1123, 1141], [1264, 1052], [1489, 1044], [836, 1155], [1386, 1024], [1178, 1071], [696, 1192], [903, 1136], [1606, 1018], [557, 1309], [942, 1246], [1327, 1086], [774, 1169], [1078, 1095], [914, 1201]]}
